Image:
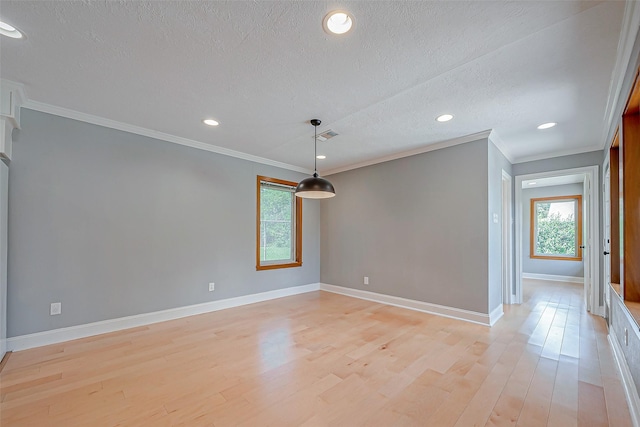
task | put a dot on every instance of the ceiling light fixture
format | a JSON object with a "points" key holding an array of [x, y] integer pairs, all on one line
{"points": [[547, 125], [531, 183], [9, 31], [210, 122], [337, 22], [321, 157], [444, 117], [315, 187]]}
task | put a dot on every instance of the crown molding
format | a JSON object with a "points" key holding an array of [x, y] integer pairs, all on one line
{"points": [[420, 150], [500, 145], [125, 127], [628, 34]]}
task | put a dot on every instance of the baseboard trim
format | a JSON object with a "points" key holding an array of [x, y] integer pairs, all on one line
{"points": [[425, 307], [630, 391], [553, 277], [55, 336], [496, 315]]}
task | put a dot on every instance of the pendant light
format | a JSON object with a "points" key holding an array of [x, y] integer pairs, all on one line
{"points": [[315, 187]]}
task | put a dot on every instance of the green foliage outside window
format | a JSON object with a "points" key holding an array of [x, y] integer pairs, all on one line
{"points": [[556, 234], [276, 230], [556, 227]]}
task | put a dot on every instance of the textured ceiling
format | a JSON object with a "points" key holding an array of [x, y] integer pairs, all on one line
{"points": [[263, 69]]}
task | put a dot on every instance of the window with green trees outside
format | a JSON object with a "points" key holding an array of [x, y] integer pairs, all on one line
{"points": [[556, 228], [279, 224]]}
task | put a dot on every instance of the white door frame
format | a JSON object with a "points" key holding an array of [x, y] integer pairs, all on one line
{"points": [[606, 228], [507, 239], [592, 242]]}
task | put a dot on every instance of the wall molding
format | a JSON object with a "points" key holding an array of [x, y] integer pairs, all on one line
{"points": [[425, 307], [419, 150], [624, 56], [630, 391], [495, 315], [500, 145], [55, 336], [553, 277], [138, 130]]}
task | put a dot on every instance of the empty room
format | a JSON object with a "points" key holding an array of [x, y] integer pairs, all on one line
{"points": [[312, 213]]}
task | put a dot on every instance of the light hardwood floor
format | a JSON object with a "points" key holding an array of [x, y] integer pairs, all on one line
{"points": [[324, 359]]}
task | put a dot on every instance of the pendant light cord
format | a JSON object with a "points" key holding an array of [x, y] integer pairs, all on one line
{"points": [[315, 150]]}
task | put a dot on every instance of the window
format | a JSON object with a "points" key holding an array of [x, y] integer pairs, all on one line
{"points": [[279, 225], [556, 228]]}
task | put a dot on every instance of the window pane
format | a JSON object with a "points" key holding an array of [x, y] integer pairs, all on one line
{"points": [[276, 225], [556, 228]]}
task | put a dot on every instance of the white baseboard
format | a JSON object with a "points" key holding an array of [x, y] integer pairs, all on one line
{"points": [[496, 315], [54, 336], [426, 307], [553, 277], [630, 390]]}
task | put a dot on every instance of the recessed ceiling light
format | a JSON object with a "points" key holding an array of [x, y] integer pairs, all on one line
{"points": [[532, 183], [547, 125], [9, 31], [337, 22], [444, 117], [210, 122], [321, 157]]}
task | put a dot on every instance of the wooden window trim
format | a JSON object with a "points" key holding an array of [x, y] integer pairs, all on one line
{"points": [[298, 225], [532, 226]]}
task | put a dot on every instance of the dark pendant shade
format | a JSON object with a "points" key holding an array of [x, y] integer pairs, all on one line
{"points": [[315, 187]]}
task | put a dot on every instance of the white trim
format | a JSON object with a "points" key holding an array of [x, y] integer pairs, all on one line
{"points": [[495, 315], [425, 307], [562, 153], [594, 245], [500, 145], [553, 277], [628, 34], [630, 390], [431, 147], [508, 296], [125, 127], [54, 336]]}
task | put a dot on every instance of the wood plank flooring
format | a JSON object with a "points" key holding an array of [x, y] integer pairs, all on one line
{"points": [[323, 359]]}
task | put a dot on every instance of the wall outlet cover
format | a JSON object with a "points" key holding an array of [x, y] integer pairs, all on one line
{"points": [[56, 308], [212, 287]]}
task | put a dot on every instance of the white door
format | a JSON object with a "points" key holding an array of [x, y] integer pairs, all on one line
{"points": [[4, 200], [607, 240], [586, 242]]}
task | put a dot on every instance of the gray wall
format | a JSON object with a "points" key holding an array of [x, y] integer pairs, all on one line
{"points": [[417, 227], [546, 266], [4, 198], [558, 163], [497, 163], [113, 224]]}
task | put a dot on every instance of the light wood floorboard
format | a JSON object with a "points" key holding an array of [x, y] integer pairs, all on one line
{"points": [[322, 359]]}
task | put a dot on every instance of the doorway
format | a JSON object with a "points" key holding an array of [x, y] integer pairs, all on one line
{"points": [[587, 177]]}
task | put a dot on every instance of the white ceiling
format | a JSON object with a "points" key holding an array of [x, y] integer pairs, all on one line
{"points": [[263, 69]]}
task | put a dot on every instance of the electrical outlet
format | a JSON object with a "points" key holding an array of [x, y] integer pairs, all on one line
{"points": [[212, 287], [366, 280], [56, 308]]}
